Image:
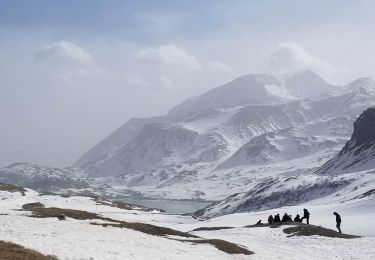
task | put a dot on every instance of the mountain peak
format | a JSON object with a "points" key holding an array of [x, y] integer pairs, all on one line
{"points": [[244, 90], [364, 128], [365, 82], [305, 84]]}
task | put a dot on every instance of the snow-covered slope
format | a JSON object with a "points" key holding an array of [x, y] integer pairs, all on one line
{"points": [[44, 178], [248, 89], [347, 176], [115, 141], [100, 236], [249, 124], [306, 84], [231, 137], [213, 125], [359, 152]]}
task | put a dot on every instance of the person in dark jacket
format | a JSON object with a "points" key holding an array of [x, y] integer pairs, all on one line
{"points": [[277, 218], [338, 221], [286, 218], [297, 218], [306, 215], [270, 219]]}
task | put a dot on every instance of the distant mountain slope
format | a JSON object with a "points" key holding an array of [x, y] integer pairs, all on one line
{"points": [[267, 124], [359, 152], [228, 139], [276, 192], [248, 89], [347, 176], [220, 121], [115, 141], [306, 84], [43, 178]]}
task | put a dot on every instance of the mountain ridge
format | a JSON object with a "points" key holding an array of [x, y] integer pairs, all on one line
{"points": [[225, 147]]}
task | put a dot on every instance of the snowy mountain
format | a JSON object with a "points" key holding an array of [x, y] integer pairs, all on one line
{"points": [[248, 89], [253, 121], [347, 176], [229, 139], [243, 107], [115, 141], [306, 84], [44, 178], [359, 152]]}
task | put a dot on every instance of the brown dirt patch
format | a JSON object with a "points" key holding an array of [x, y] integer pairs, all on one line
{"points": [[32, 205], [10, 251], [12, 188], [210, 228], [311, 230], [148, 229], [56, 212], [222, 245]]}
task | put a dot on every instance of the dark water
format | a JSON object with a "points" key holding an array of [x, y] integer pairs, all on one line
{"points": [[170, 206]]}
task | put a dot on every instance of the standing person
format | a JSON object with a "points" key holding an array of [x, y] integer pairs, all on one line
{"points": [[306, 215], [270, 219], [338, 221]]}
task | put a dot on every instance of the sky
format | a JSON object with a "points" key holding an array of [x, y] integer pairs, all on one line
{"points": [[71, 72]]}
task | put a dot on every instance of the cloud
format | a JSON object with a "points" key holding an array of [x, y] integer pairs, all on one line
{"points": [[170, 54], [67, 62], [137, 81], [289, 57], [293, 56], [64, 52], [167, 82], [219, 66]]}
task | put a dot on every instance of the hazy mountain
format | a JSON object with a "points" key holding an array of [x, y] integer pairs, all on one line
{"points": [[115, 141], [231, 138], [43, 178]]}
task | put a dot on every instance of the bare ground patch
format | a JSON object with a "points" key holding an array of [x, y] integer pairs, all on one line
{"points": [[311, 230], [211, 228], [32, 205], [12, 188], [222, 245], [149, 229], [56, 212], [10, 251]]}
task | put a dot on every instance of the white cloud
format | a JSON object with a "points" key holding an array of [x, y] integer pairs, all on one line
{"points": [[167, 82], [63, 52], [219, 66], [67, 62], [170, 54], [293, 57], [137, 81]]}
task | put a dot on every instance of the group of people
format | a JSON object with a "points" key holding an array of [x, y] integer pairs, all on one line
{"points": [[297, 218], [289, 218]]}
